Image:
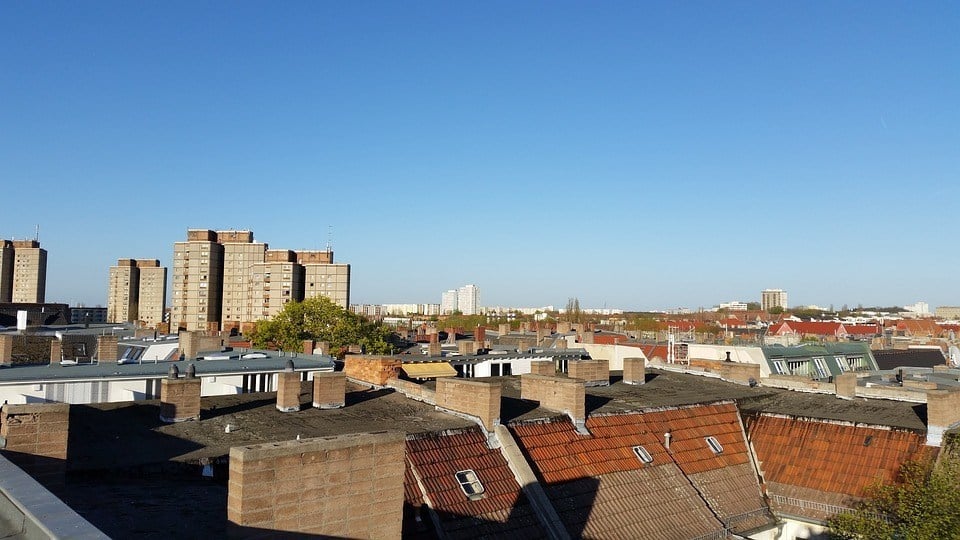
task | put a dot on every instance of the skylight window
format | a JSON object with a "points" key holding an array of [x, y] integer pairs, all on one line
{"points": [[642, 454], [714, 445], [470, 484]]}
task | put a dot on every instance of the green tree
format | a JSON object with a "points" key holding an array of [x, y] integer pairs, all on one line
{"points": [[922, 505], [322, 320], [775, 310], [753, 306], [573, 312]]}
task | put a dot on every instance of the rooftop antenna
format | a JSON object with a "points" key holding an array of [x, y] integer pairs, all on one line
{"points": [[329, 238], [37, 238]]}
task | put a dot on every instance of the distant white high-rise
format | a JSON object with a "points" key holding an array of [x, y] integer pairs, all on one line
{"points": [[468, 299], [771, 298], [448, 302]]}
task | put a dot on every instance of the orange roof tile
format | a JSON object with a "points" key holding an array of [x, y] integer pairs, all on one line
{"points": [[435, 460], [829, 456]]}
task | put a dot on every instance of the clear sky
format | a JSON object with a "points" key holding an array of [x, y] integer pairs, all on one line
{"points": [[638, 155]]}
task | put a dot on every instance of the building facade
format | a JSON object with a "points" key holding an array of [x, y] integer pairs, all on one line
{"points": [[468, 299], [23, 272], [771, 298], [122, 292], [225, 279], [448, 302]]}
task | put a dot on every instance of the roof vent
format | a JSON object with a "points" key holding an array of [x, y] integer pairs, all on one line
{"points": [[642, 454], [470, 484], [714, 445], [868, 440], [666, 440]]}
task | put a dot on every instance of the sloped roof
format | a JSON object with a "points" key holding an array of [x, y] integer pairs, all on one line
{"points": [[863, 329], [829, 462], [725, 482], [503, 511], [919, 326], [819, 328], [895, 358]]}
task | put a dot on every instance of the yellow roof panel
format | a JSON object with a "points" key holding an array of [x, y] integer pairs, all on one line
{"points": [[429, 370]]}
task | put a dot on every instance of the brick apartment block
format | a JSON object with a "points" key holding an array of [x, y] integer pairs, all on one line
{"points": [[480, 399], [329, 390], [350, 486]]}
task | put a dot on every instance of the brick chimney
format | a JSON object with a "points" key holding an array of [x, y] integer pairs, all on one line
{"points": [[480, 335], [374, 370], [593, 372], [307, 346], [466, 347], [943, 413], [846, 385], [503, 329], [543, 367], [478, 399], [108, 349], [634, 370], [35, 438], [560, 394], [56, 351], [180, 396], [6, 349], [329, 390], [288, 389], [434, 349]]}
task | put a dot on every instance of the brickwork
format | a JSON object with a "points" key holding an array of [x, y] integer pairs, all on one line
{"points": [[434, 348], [349, 486], [288, 391], [307, 346], [413, 390], [480, 335], [593, 372], [56, 351], [943, 413], [329, 390], [36, 438], [543, 367], [523, 345], [739, 372], [475, 398], [634, 370], [179, 399], [846, 385], [563, 327], [322, 347], [586, 337], [6, 349], [192, 343], [467, 347], [503, 329], [107, 349], [374, 370], [557, 393]]}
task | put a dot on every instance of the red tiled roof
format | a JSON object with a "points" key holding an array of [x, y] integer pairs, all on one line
{"points": [[818, 328], [919, 326], [828, 456], [436, 459], [863, 329]]}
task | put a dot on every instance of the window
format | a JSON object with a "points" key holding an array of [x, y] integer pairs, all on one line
{"points": [[821, 368], [642, 454], [470, 484], [842, 363], [778, 366], [494, 370], [714, 445]]}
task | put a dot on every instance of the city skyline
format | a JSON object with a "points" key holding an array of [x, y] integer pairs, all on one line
{"points": [[633, 156]]}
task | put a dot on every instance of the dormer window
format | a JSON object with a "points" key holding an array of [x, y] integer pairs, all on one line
{"points": [[714, 445], [642, 454], [470, 484]]}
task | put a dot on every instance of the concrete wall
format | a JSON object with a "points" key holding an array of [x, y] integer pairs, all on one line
{"points": [[480, 399], [349, 486], [943, 413], [413, 390], [799, 384]]}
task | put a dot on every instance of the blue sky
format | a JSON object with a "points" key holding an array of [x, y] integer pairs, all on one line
{"points": [[632, 154]]}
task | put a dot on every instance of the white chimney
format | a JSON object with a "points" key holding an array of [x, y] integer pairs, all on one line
{"points": [[666, 440]]}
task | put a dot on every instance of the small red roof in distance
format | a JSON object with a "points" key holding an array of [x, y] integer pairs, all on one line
{"points": [[863, 329]]}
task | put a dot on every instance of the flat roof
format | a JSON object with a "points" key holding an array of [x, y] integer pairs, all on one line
{"points": [[151, 369]]}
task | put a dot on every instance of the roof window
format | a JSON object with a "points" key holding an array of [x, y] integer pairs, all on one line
{"points": [[642, 454], [470, 484], [714, 445]]}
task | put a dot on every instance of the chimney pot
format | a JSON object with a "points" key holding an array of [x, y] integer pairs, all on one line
{"points": [[174, 373], [191, 371], [288, 367], [666, 440]]}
